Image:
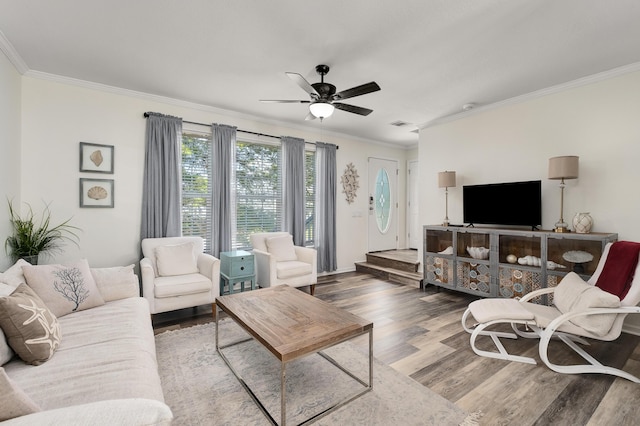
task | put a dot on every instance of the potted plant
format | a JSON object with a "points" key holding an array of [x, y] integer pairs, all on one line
{"points": [[32, 236]]}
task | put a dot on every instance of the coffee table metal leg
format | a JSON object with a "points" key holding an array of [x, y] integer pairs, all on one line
{"points": [[283, 396]]}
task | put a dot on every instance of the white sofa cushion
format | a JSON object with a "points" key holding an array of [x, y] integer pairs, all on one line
{"points": [[14, 276], [181, 285], [281, 247], [64, 288], [6, 353], [13, 401], [130, 411], [178, 259], [573, 294], [291, 269], [115, 283]]}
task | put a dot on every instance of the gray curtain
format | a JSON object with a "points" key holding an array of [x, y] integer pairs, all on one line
{"points": [[161, 190], [326, 206], [222, 157], [293, 188]]}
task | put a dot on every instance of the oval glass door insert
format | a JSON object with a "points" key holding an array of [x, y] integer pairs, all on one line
{"points": [[382, 198]]}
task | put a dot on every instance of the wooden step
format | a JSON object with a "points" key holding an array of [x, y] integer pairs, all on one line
{"points": [[402, 260], [413, 279]]}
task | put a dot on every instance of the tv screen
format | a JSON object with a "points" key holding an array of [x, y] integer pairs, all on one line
{"points": [[513, 203]]}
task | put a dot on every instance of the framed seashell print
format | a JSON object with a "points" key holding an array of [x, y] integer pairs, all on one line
{"points": [[96, 158], [96, 192]]}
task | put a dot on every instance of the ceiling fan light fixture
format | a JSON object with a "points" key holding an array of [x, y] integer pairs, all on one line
{"points": [[321, 109]]}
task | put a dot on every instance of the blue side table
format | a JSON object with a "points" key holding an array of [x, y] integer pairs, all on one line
{"points": [[236, 266]]}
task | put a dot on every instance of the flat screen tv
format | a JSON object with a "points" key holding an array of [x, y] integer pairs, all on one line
{"points": [[512, 203]]}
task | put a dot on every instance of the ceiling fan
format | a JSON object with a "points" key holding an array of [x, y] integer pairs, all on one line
{"points": [[324, 98]]}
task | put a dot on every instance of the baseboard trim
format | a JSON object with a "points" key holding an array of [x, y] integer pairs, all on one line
{"points": [[631, 329]]}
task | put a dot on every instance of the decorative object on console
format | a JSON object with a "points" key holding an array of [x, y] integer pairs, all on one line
{"points": [[448, 250], [350, 184], [478, 252], [565, 167], [512, 258], [582, 223], [96, 158], [96, 193], [578, 258], [446, 180], [536, 261]]}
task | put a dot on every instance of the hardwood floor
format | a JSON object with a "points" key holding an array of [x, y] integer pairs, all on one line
{"points": [[418, 333]]}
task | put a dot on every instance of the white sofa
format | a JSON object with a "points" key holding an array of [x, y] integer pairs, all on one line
{"points": [[104, 372]]}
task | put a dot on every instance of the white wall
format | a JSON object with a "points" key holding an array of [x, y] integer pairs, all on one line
{"points": [[599, 122], [57, 116], [9, 148]]}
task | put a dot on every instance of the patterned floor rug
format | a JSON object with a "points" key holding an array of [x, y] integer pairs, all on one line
{"points": [[201, 390]]}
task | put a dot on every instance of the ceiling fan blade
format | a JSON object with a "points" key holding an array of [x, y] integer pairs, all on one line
{"points": [[310, 117], [285, 101], [300, 81], [357, 91], [352, 108]]}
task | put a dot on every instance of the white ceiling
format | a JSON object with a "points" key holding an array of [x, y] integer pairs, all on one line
{"points": [[429, 57]]}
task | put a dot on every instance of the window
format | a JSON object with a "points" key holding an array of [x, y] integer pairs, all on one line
{"points": [[258, 189], [196, 186], [310, 198]]}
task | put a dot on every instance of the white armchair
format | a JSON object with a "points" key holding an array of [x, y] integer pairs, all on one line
{"points": [[177, 274], [279, 262]]}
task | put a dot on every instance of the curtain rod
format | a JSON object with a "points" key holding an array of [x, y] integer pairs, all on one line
{"points": [[146, 115]]}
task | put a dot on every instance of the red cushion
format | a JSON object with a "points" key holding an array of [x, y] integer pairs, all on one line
{"points": [[617, 274]]}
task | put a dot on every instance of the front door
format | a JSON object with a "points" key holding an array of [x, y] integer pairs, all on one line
{"points": [[383, 204]]}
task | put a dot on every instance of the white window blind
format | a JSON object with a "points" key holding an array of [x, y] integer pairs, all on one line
{"points": [[310, 198], [196, 186], [258, 191]]}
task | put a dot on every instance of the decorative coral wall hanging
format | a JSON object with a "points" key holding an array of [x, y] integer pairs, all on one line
{"points": [[350, 182]]}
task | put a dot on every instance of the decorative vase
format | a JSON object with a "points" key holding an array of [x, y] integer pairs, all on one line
{"points": [[33, 259], [582, 223]]}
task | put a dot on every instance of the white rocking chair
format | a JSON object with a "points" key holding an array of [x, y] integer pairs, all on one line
{"points": [[581, 309]]}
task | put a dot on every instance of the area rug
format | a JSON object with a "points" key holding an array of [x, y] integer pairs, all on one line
{"points": [[201, 390]]}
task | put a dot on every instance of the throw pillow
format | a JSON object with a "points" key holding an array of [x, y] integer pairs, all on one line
{"points": [[594, 297], [64, 288], [178, 259], [13, 401], [573, 294], [31, 329], [568, 291], [116, 283], [282, 248], [14, 276]]}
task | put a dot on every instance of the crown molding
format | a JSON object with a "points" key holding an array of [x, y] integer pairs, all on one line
{"points": [[202, 107], [12, 54], [590, 79]]}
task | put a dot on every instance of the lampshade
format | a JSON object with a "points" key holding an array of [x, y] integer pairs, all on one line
{"points": [[446, 179], [321, 109], [565, 167]]}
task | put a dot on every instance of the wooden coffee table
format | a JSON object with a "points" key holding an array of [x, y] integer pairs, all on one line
{"points": [[292, 324]]}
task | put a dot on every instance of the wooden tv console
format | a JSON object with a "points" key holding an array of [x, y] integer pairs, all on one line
{"points": [[448, 264]]}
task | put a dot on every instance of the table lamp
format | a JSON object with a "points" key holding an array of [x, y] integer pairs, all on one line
{"points": [[446, 180], [562, 168]]}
